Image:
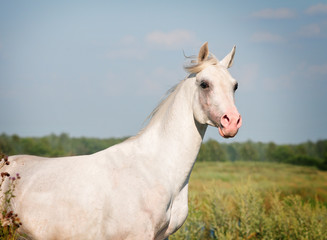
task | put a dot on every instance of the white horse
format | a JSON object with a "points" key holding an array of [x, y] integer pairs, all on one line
{"points": [[137, 189]]}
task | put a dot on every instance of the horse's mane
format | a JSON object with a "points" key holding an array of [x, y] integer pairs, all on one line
{"points": [[195, 66], [156, 111], [169, 94]]}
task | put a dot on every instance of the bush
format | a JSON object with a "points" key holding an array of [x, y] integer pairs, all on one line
{"points": [[304, 160]]}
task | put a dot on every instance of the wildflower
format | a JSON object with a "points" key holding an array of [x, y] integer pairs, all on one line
{"points": [[5, 159], [5, 222], [5, 174], [17, 175], [9, 214]]}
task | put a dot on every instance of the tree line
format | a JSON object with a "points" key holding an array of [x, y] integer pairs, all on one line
{"points": [[307, 154]]}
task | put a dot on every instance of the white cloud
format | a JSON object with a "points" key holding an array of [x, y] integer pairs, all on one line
{"points": [[171, 40], [318, 29], [281, 13], [266, 37], [319, 8], [318, 69], [310, 30]]}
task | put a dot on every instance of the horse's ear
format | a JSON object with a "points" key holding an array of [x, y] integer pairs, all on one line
{"points": [[203, 53], [229, 59]]}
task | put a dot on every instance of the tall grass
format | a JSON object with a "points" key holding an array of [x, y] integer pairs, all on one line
{"points": [[253, 209], [249, 213]]}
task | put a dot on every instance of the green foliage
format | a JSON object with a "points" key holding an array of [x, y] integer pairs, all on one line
{"points": [[248, 152], [212, 151], [259, 208]]}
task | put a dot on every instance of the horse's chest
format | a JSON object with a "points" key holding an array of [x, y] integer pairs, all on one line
{"points": [[175, 216], [165, 212]]}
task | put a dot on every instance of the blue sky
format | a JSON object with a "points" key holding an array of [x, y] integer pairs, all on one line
{"points": [[98, 68]]}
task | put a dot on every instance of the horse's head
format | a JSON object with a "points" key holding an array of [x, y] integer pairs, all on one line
{"points": [[214, 102]]}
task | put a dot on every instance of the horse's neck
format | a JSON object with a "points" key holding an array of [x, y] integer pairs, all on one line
{"points": [[174, 137]]}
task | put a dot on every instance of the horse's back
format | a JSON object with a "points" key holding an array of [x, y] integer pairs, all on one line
{"points": [[18, 161], [111, 189]]}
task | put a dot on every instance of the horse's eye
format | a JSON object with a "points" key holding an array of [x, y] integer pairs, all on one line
{"points": [[204, 85], [235, 87]]}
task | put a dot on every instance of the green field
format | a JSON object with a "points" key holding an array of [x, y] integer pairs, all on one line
{"points": [[255, 200]]}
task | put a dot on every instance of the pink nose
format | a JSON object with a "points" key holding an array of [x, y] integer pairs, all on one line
{"points": [[231, 120], [230, 123]]}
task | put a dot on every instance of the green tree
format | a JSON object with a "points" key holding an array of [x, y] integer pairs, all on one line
{"points": [[232, 153], [281, 153], [5, 146], [248, 152], [212, 151]]}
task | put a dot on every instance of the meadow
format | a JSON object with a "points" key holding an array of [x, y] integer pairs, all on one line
{"points": [[236, 191], [255, 200]]}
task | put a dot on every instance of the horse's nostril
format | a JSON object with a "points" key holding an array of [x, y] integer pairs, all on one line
{"points": [[239, 121], [231, 120], [225, 120]]}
